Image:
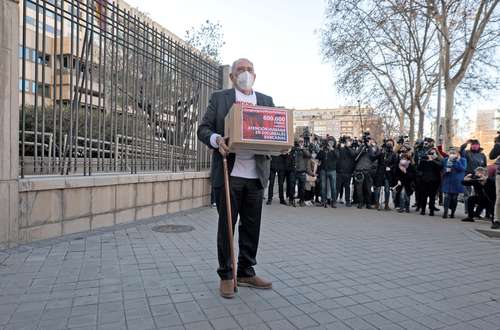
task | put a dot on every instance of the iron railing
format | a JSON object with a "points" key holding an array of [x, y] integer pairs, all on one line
{"points": [[103, 89]]}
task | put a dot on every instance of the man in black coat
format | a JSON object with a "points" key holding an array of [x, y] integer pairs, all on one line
{"points": [[484, 193], [249, 175], [345, 167], [278, 166]]}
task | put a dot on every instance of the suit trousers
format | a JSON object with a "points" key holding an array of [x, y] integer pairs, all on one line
{"points": [[246, 202], [281, 181], [363, 189], [344, 185]]}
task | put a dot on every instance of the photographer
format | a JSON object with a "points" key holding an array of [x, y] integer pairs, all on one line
{"points": [[422, 148], [405, 178], [484, 193], [328, 157], [300, 157], [278, 166], [475, 158], [495, 155], [454, 170], [384, 177], [345, 168], [429, 179], [365, 157]]}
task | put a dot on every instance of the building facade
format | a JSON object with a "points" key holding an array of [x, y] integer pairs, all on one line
{"points": [[343, 121]]}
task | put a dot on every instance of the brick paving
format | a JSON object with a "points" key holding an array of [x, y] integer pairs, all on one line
{"points": [[331, 269]]}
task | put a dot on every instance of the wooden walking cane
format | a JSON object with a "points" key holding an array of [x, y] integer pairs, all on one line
{"points": [[229, 221]]}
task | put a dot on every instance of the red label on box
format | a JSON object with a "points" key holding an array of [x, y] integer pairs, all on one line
{"points": [[264, 124]]}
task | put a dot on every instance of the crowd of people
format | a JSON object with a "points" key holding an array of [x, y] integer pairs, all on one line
{"points": [[389, 174]]}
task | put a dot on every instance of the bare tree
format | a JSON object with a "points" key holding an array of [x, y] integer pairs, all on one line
{"points": [[207, 38], [383, 51], [469, 34]]}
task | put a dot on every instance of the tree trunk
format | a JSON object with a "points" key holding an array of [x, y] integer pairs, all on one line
{"points": [[421, 119], [401, 122], [448, 115], [411, 133]]}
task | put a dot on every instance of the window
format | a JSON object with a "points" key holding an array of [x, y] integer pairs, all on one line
{"points": [[43, 59], [26, 53], [24, 85], [44, 88]]}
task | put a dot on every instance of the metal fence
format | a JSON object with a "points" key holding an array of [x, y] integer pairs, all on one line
{"points": [[103, 89]]}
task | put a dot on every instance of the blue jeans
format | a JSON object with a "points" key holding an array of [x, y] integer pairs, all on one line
{"points": [[404, 202], [387, 192], [331, 176]]}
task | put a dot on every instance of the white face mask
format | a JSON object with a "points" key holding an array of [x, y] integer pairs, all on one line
{"points": [[245, 80]]}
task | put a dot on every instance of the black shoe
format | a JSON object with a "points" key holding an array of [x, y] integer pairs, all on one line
{"points": [[417, 209], [495, 225], [360, 206], [401, 210], [291, 202], [407, 210], [435, 209], [431, 213], [348, 204], [269, 202], [445, 216], [422, 212], [369, 207], [334, 205], [302, 204], [452, 215], [467, 219], [283, 202]]}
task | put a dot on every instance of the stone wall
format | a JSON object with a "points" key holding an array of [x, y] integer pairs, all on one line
{"points": [[55, 206]]}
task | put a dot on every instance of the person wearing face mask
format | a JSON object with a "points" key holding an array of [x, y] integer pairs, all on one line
{"points": [[453, 173], [328, 158], [249, 175], [430, 179], [345, 168], [300, 156], [384, 177], [366, 163], [475, 158], [405, 178], [311, 175], [484, 193]]}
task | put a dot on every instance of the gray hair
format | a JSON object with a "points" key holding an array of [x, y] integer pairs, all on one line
{"points": [[235, 63]]}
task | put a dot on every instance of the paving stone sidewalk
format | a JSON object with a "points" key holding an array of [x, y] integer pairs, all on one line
{"points": [[331, 269]]}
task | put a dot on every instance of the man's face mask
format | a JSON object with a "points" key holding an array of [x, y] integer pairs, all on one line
{"points": [[475, 147], [245, 80], [330, 143]]}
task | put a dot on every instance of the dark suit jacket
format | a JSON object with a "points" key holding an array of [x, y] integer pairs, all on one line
{"points": [[213, 122]]}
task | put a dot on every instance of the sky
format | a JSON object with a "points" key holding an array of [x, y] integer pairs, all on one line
{"points": [[280, 37], [277, 36]]}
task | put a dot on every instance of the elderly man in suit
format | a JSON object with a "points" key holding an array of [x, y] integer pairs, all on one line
{"points": [[249, 175]]}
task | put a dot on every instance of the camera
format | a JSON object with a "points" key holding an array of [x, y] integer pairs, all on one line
{"points": [[402, 139], [366, 137]]}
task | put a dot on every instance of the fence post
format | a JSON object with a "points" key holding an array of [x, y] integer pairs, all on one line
{"points": [[9, 122], [224, 81]]}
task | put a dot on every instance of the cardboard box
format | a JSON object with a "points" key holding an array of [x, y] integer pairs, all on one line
{"points": [[258, 129]]}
